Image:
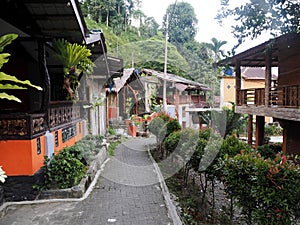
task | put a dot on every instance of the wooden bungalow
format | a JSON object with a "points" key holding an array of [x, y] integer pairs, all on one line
{"points": [[45, 121], [280, 100], [183, 95]]}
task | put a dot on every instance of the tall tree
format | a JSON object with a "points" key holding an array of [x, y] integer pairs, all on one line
{"points": [[182, 23], [149, 28], [276, 16]]}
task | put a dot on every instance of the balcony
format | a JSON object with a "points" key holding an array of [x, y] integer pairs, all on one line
{"points": [[26, 126], [283, 102], [194, 100]]}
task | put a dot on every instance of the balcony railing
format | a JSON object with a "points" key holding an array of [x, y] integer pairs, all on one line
{"points": [[287, 96], [188, 99], [62, 113], [21, 126], [24, 126]]}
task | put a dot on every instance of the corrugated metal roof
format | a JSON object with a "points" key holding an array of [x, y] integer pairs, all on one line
{"points": [[47, 19], [177, 79], [256, 56]]}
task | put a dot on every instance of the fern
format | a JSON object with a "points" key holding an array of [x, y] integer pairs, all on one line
{"points": [[74, 57]]}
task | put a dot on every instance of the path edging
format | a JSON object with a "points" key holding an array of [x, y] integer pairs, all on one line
{"points": [[170, 206]]}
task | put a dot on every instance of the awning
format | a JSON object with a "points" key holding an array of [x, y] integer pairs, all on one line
{"points": [[180, 87]]}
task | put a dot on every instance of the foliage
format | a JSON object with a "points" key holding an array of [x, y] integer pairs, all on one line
{"points": [[215, 48], [150, 54], [2, 175], [74, 57], [111, 131], [63, 170], [76, 60], [88, 147], [182, 23], [171, 142], [8, 82], [158, 128], [257, 16], [172, 126], [269, 150], [266, 190], [272, 129], [112, 147]]}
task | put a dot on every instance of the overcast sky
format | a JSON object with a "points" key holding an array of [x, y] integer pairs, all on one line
{"points": [[205, 10]]}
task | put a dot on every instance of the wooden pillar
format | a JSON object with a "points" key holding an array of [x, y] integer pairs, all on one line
{"points": [[260, 131], [46, 80], [268, 75], [238, 81], [250, 129], [176, 103]]}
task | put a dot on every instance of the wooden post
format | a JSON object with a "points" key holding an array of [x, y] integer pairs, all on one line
{"points": [[238, 81], [46, 80], [250, 129], [268, 75], [260, 131]]}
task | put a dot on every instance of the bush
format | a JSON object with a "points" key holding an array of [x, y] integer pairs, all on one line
{"points": [[171, 142], [172, 126], [64, 170], [268, 191], [158, 128]]}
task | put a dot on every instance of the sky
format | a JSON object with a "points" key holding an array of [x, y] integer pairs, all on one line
{"points": [[205, 10]]}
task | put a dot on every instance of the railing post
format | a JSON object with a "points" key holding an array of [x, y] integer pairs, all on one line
{"points": [[268, 74], [238, 81]]}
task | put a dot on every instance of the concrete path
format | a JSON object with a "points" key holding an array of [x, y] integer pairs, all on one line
{"points": [[128, 192]]}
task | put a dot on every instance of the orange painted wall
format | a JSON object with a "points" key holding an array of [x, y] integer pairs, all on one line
{"points": [[70, 142], [19, 157]]}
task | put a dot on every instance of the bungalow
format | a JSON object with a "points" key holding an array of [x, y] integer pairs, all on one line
{"points": [[280, 100], [140, 91], [45, 121]]}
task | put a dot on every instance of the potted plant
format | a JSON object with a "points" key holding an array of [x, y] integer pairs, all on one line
{"points": [[76, 60]]}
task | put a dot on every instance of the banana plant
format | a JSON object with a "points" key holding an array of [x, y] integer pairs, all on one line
{"points": [[76, 60], [8, 82]]}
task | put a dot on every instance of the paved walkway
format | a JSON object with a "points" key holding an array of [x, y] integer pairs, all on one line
{"points": [[128, 192]]}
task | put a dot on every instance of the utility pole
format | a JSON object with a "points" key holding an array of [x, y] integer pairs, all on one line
{"points": [[165, 66]]}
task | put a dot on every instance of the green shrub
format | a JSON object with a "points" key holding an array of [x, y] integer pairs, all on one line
{"points": [[172, 126], [63, 170], [171, 142], [267, 191], [112, 147], [158, 128]]}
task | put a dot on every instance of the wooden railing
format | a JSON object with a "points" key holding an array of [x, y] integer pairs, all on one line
{"points": [[62, 113], [287, 96], [21, 126], [187, 99], [24, 126]]}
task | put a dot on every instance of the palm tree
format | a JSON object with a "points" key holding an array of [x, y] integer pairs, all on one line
{"points": [[215, 47]]}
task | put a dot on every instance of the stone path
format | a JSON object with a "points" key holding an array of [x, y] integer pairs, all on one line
{"points": [[127, 193]]}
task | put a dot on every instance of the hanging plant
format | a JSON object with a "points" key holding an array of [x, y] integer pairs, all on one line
{"points": [[76, 60], [8, 82]]}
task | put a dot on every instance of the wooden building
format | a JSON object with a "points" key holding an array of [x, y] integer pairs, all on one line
{"points": [[280, 100], [45, 121]]}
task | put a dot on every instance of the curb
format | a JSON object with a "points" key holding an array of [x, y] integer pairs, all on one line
{"points": [[170, 206], [84, 194], [78, 190]]}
